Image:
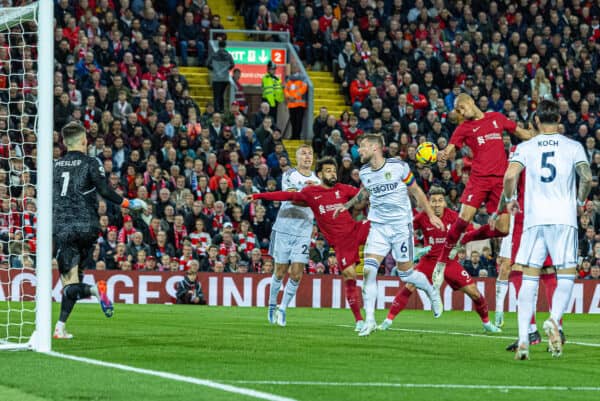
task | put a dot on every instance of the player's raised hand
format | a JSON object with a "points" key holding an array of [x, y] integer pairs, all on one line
{"points": [[137, 204], [338, 209], [249, 198], [437, 222]]}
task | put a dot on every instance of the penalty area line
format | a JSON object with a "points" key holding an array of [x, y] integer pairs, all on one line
{"points": [[457, 333], [416, 385], [172, 376]]}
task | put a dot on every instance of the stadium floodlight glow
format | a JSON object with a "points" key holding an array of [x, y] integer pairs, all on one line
{"points": [[26, 121]]}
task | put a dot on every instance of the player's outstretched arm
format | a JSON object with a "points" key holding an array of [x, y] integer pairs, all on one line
{"points": [[99, 179], [585, 182], [296, 197], [362, 195], [416, 191], [510, 185]]}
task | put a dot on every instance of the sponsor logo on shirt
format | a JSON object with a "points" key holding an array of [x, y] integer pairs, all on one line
{"points": [[383, 188]]}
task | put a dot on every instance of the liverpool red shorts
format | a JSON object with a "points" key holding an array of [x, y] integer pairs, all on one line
{"points": [[454, 274], [483, 190], [347, 249]]}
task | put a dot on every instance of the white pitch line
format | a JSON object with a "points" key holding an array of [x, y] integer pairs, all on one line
{"points": [[172, 376], [456, 333], [417, 385]]}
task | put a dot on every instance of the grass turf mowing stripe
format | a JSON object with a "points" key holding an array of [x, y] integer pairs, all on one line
{"points": [[417, 385], [456, 333], [166, 375]]}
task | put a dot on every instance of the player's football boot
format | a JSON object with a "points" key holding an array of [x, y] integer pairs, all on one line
{"points": [[437, 278], [499, 319], [271, 313], [105, 303], [280, 316], [534, 339], [359, 326], [522, 353], [386, 324], [489, 327], [420, 252], [369, 327], [62, 334], [436, 304], [554, 340]]}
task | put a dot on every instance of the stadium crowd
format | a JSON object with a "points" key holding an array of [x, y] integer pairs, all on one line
{"points": [[400, 65]]}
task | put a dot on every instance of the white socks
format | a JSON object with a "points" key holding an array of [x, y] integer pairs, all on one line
{"points": [[562, 296], [274, 290], [526, 306], [417, 279], [370, 288], [501, 291], [288, 293]]}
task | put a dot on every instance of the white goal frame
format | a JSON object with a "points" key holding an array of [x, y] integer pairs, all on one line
{"points": [[41, 339]]}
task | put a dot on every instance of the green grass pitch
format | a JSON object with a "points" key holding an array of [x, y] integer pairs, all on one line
{"points": [[317, 355]]}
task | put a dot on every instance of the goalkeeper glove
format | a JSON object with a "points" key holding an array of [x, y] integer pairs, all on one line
{"points": [[134, 204]]}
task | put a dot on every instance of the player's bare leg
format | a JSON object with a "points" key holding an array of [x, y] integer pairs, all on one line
{"points": [[504, 270], [353, 295], [276, 280], [460, 225], [291, 287], [419, 280], [481, 307]]}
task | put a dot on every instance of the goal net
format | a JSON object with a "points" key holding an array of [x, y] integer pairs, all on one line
{"points": [[20, 175]]}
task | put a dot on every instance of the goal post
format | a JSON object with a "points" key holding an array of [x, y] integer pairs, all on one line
{"points": [[26, 93]]}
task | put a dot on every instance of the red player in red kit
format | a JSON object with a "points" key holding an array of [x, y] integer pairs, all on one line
{"points": [[343, 233], [454, 274], [482, 133]]}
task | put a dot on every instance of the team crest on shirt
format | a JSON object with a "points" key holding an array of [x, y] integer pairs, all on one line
{"points": [[388, 175]]}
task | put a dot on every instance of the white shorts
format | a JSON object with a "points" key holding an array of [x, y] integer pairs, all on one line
{"points": [[506, 247], [560, 241], [385, 237], [286, 248], [506, 243]]}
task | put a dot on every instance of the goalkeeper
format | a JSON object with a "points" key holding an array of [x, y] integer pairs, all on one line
{"points": [[78, 180]]}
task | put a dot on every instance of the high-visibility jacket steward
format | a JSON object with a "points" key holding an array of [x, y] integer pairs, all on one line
{"points": [[295, 92], [272, 90]]}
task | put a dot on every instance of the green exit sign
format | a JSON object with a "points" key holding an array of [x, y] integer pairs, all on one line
{"points": [[243, 55]]}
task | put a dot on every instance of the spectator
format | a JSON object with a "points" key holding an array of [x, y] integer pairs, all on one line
{"points": [[359, 90], [272, 90], [296, 93], [594, 273], [189, 290], [190, 37], [220, 63]]}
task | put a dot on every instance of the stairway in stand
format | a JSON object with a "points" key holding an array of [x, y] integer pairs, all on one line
{"points": [[327, 93], [230, 17], [199, 82]]}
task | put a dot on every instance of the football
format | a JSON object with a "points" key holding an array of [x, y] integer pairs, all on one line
{"points": [[427, 153]]}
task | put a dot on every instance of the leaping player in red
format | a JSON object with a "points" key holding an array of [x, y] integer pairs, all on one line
{"points": [[454, 274], [482, 133], [343, 233]]}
